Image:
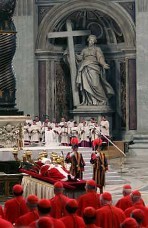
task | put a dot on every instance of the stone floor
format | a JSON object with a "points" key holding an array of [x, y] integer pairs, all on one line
{"points": [[132, 170]]}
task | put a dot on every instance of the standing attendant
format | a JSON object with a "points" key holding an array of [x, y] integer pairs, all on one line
{"points": [[50, 137], [100, 164], [64, 135], [104, 130], [84, 134], [76, 160], [35, 131]]}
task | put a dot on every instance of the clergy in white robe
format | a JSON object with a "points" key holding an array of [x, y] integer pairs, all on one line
{"points": [[84, 135], [35, 131], [50, 137]]}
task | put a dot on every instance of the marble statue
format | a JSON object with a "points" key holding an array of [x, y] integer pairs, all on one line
{"points": [[93, 87]]}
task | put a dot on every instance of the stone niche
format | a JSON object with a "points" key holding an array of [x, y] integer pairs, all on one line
{"points": [[11, 131]]}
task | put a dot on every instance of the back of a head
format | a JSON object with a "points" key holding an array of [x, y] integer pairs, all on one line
{"points": [[89, 215], [127, 189], [135, 196], [71, 206], [58, 187], [17, 190], [44, 222], [106, 198], [138, 215], [91, 185], [44, 206], [32, 201], [129, 223]]}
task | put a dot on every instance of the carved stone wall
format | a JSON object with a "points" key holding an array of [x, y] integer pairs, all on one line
{"points": [[62, 93]]}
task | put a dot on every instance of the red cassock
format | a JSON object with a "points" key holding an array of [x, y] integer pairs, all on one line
{"points": [[124, 203], [138, 205], [5, 224], [109, 216], [58, 203], [14, 208], [89, 199], [1, 212], [56, 223], [92, 226], [28, 218], [73, 221]]}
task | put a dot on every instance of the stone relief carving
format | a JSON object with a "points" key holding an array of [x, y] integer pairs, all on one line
{"points": [[10, 135]]}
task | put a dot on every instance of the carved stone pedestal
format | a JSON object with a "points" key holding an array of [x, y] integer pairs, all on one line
{"points": [[11, 131]]}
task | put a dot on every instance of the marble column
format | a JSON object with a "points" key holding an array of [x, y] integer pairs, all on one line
{"points": [[142, 65]]}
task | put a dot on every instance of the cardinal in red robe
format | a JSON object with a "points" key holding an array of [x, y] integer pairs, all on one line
{"points": [[136, 201], [59, 201], [15, 207], [32, 215], [90, 199], [72, 220], [108, 215]]}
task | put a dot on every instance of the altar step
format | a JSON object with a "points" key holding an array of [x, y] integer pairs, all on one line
{"points": [[112, 177]]}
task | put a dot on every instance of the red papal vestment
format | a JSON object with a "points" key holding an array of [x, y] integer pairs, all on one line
{"points": [[56, 172]]}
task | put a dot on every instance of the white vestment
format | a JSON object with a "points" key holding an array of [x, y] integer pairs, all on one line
{"points": [[50, 137], [104, 127]]}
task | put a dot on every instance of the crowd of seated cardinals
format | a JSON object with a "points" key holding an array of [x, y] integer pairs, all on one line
{"points": [[89, 210]]}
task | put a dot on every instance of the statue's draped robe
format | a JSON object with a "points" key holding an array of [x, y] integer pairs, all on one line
{"points": [[94, 88]]}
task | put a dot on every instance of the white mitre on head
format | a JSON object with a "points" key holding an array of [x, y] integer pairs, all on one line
{"points": [[46, 161]]}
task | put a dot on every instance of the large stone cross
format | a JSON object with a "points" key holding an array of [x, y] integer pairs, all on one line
{"points": [[70, 34]]}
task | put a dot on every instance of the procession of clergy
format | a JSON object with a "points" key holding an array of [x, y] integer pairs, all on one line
{"points": [[89, 210], [52, 133]]}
